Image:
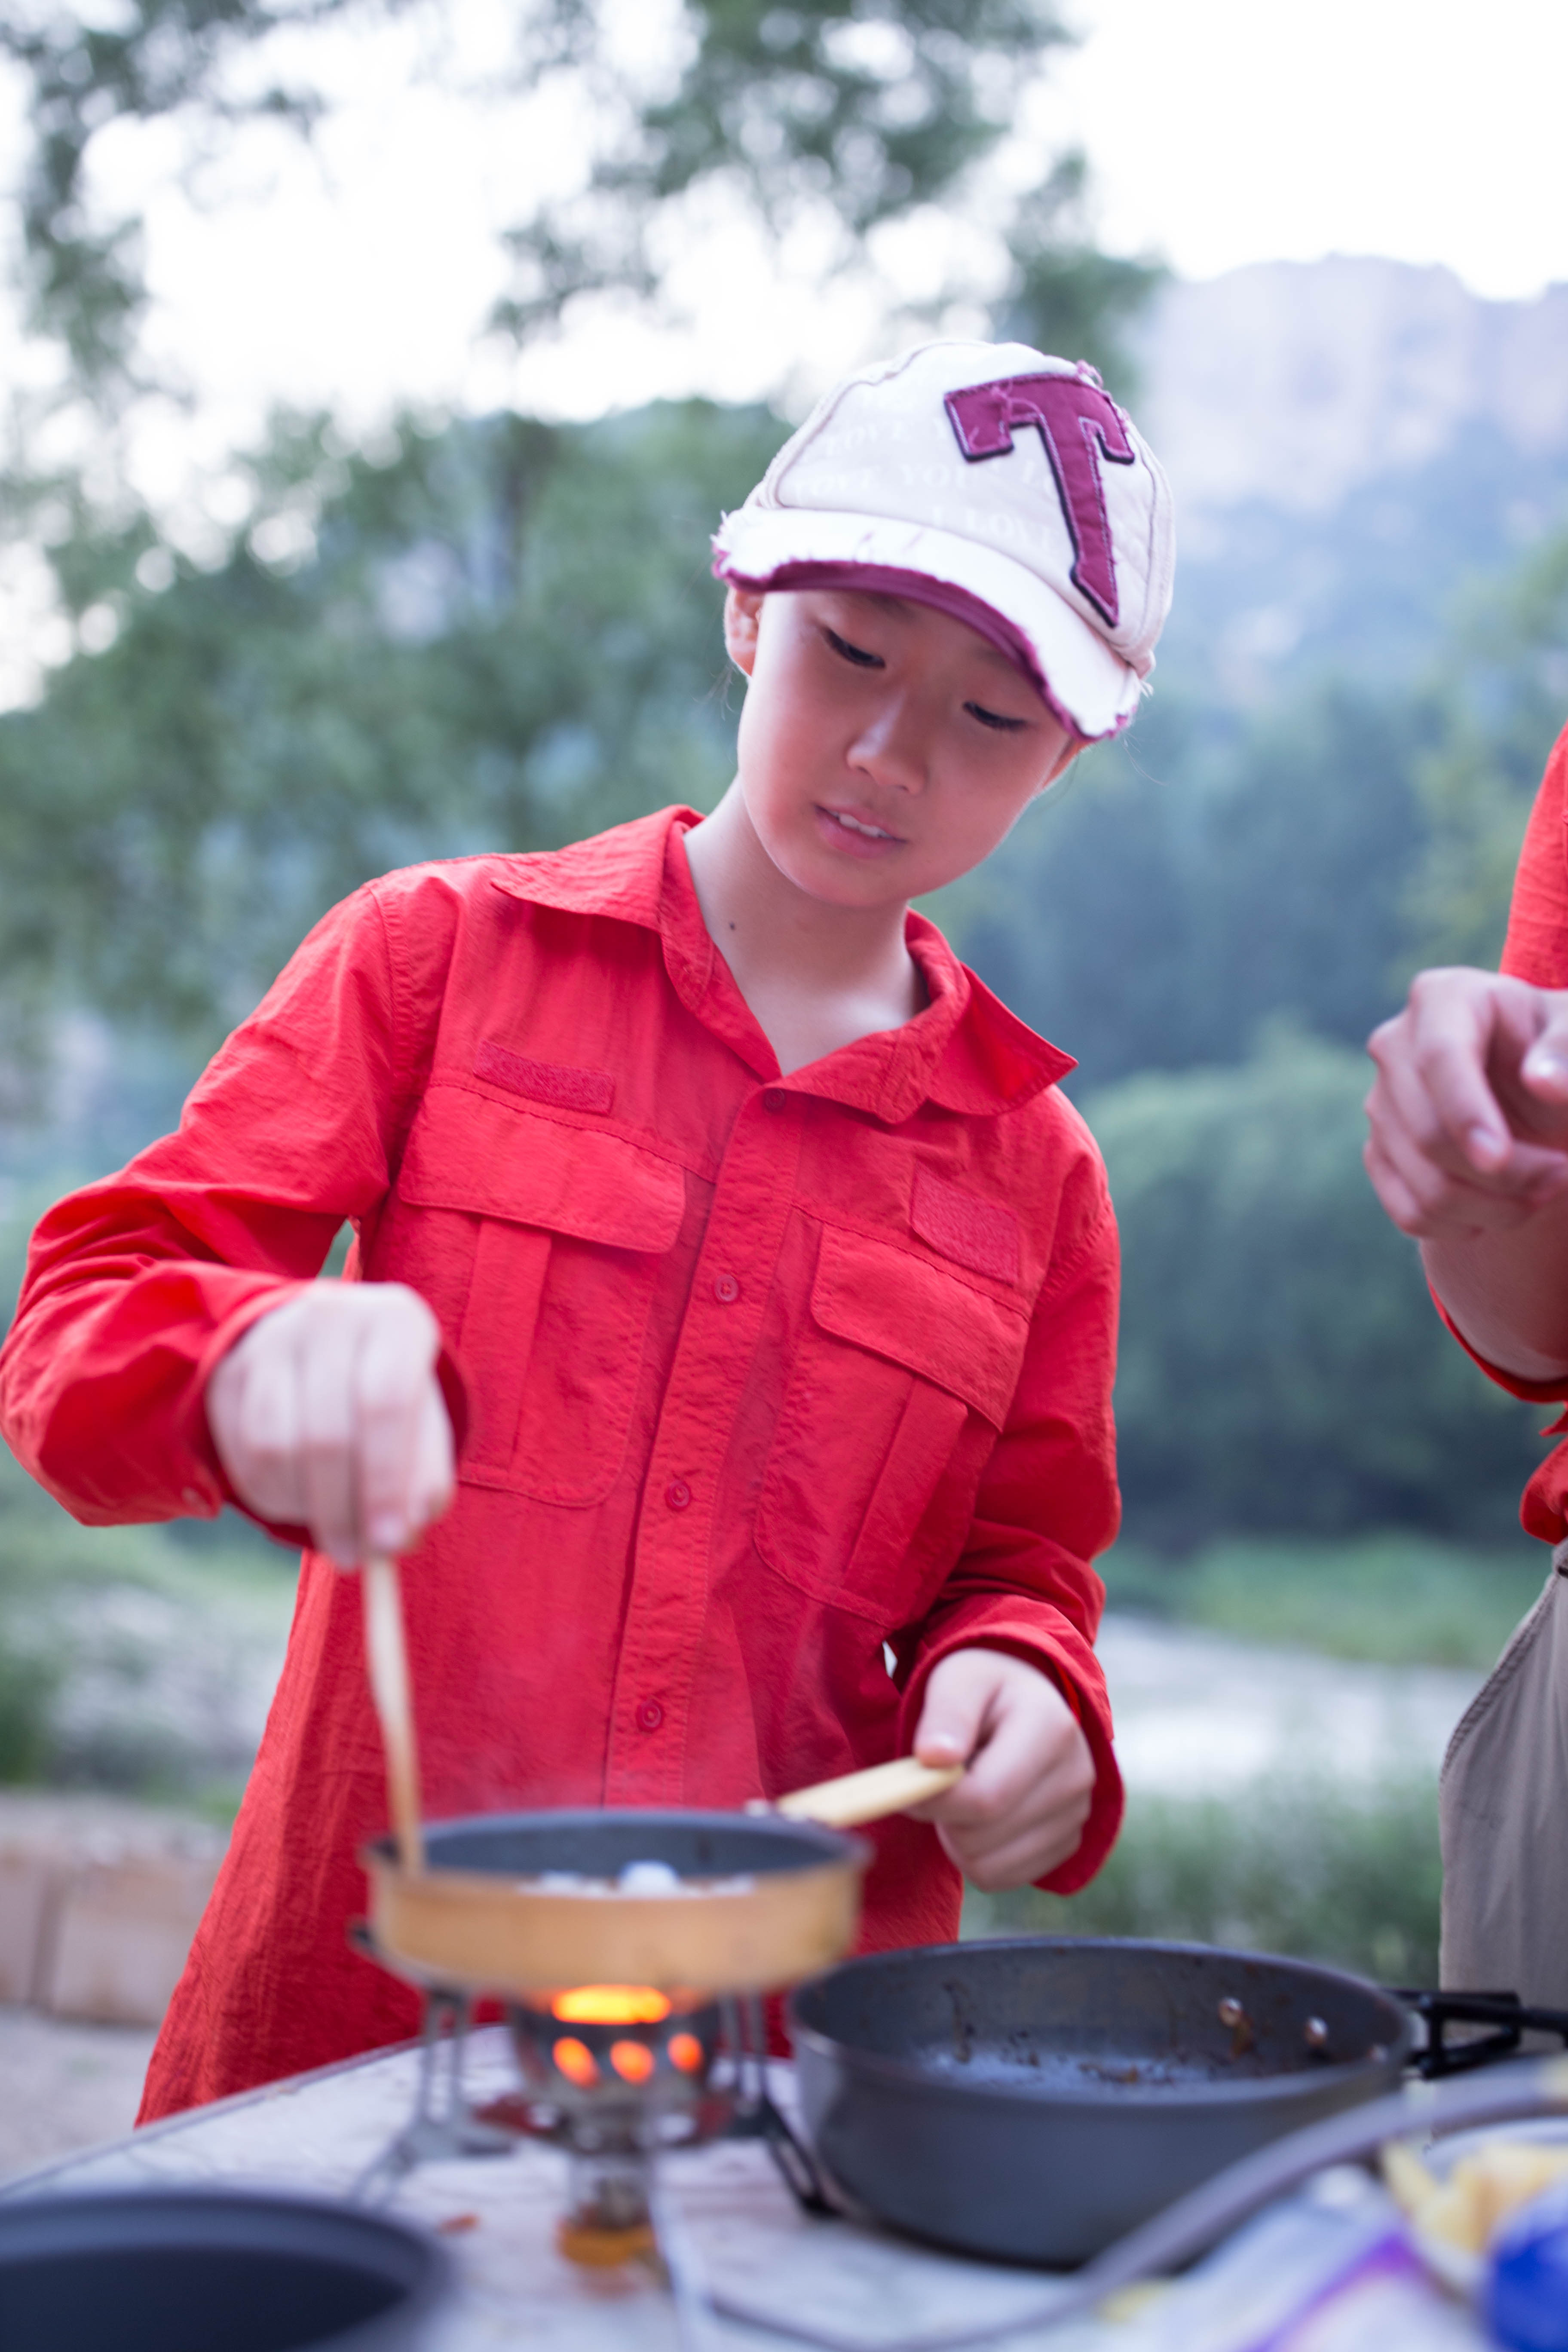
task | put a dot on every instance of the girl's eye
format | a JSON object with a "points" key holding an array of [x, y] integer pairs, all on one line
{"points": [[856, 654], [994, 719]]}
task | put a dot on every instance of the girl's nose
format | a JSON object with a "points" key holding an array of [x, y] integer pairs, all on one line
{"points": [[890, 749]]}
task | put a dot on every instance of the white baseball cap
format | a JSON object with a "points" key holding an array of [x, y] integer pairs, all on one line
{"points": [[998, 484]]}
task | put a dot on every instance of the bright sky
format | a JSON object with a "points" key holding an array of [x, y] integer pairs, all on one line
{"points": [[1236, 130]]}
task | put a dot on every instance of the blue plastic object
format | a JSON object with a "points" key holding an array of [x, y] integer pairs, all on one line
{"points": [[1526, 2284]]}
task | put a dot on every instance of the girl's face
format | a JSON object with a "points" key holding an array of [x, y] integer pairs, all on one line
{"points": [[885, 748]]}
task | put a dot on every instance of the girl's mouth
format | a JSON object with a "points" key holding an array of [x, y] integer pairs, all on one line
{"points": [[857, 834]]}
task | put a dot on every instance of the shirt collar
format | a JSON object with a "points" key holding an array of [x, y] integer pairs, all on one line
{"points": [[966, 1052]]}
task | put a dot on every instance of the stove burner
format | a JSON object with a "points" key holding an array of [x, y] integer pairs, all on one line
{"points": [[615, 2076], [616, 2072], [602, 2047]]}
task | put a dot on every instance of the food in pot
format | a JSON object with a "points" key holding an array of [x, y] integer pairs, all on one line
{"points": [[644, 1878]]}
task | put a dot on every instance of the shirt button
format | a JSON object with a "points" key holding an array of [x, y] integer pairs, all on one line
{"points": [[677, 1494], [650, 1714], [726, 1289], [776, 1102]]}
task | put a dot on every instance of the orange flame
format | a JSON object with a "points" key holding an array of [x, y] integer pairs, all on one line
{"points": [[610, 2005], [634, 2062], [576, 2062]]}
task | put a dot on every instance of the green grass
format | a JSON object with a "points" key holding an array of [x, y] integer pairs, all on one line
{"points": [[1308, 1870], [1397, 1598]]}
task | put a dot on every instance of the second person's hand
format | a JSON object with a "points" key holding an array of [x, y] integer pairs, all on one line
{"points": [[327, 1413], [1468, 1112]]}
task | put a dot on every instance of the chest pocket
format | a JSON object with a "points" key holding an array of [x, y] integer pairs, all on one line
{"points": [[567, 1227], [901, 1385]]}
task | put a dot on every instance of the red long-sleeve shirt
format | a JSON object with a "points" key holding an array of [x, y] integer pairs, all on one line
{"points": [[761, 1375]]}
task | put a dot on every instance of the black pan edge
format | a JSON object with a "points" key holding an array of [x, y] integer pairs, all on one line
{"points": [[909, 2075]]}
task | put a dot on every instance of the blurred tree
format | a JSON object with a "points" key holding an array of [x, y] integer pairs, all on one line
{"points": [[505, 637], [879, 109], [863, 110], [85, 70], [1281, 1367], [1505, 699], [1062, 293], [1207, 873]]}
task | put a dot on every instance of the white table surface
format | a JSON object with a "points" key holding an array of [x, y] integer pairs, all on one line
{"points": [[735, 2235]]}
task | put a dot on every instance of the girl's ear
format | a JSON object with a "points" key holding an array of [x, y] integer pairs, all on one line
{"points": [[743, 616]]}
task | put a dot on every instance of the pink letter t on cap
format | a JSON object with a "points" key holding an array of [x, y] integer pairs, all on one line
{"points": [[999, 484]]}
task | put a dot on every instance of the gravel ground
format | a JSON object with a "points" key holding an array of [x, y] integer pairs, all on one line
{"points": [[64, 2087]]}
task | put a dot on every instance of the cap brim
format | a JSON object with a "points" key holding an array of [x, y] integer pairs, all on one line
{"points": [[1092, 689]]}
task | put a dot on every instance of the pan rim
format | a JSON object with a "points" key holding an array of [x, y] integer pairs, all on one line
{"points": [[908, 2076]]}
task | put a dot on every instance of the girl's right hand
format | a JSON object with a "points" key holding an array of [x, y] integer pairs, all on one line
{"points": [[1468, 1112], [327, 1413]]}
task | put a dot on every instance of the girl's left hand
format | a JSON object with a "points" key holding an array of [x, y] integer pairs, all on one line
{"points": [[1020, 1808]]}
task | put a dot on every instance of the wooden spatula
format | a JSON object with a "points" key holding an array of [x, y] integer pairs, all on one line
{"points": [[386, 1655], [868, 1796]]}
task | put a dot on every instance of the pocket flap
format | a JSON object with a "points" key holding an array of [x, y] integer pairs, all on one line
{"points": [[895, 1303], [497, 1160]]}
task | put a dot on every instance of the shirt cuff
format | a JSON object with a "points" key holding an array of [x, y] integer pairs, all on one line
{"points": [[1077, 1677], [1553, 1391]]}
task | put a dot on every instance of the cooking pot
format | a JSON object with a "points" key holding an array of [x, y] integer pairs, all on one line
{"points": [[761, 1901], [1036, 2098], [186, 2270]]}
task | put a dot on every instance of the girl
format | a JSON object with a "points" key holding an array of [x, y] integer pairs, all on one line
{"points": [[728, 1332]]}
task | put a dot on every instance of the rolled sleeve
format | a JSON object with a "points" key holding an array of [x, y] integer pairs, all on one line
{"points": [[1048, 1507], [137, 1285]]}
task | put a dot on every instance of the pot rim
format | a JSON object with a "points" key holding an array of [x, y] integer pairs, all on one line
{"points": [[831, 1847]]}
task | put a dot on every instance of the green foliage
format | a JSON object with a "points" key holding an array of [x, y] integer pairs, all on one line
{"points": [[1395, 1599], [1504, 706], [1311, 1870], [83, 71], [871, 110], [506, 637], [1205, 874], [876, 109], [27, 1687], [1281, 1367], [1066, 296]]}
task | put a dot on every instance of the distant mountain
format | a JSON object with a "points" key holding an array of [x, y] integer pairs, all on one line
{"points": [[1350, 441]]}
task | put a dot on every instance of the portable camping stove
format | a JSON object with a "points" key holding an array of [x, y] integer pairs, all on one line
{"points": [[615, 2076]]}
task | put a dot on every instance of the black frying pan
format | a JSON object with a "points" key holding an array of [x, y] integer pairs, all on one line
{"points": [[1037, 2098]]}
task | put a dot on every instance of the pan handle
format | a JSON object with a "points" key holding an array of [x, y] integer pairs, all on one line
{"points": [[869, 1796]]}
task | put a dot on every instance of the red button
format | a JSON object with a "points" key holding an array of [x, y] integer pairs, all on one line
{"points": [[650, 1714], [726, 1289], [677, 1494], [775, 1102]]}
